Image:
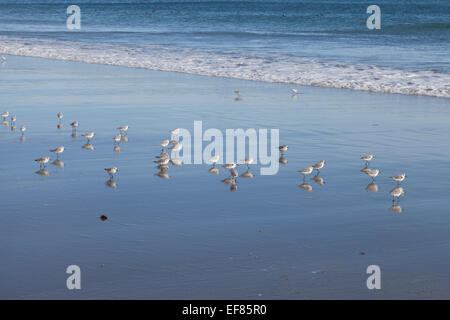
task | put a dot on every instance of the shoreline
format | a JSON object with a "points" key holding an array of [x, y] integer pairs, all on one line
{"points": [[355, 77]]}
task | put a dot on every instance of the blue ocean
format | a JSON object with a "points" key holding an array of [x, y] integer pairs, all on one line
{"points": [[320, 43]]}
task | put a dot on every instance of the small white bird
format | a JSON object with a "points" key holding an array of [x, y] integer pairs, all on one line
{"points": [[123, 129], [42, 161], [367, 157], [283, 148], [5, 115], [319, 165], [117, 138], [58, 151], [163, 155], [175, 131], [176, 162], [294, 91], [89, 135], [162, 161], [373, 173], [164, 143], [397, 192], [111, 171], [214, 159], [247, 161], [229, 166], [3, 59], [74, 125], [60, 116], [13, 119], [23, 129], [306, 171], [234, 173], [176, 147], [399, 178]]}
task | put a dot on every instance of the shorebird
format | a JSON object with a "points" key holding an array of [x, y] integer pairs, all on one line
{"points": [[117, 138], [13, 119], [283, 148], [247, 161], [164, 143], [214, 159], [294, 91], [163, 155], [42, 161], [238, 92], [229, 166], [175, 131], [367, 158], [58, 151], [89, 136], [176, 147], [373, 173], [111, 171], [74, 125], [399, 178], [162, 161], [23, 129], [123, 129], [176, 162], [319, 165], [397, 192], [306, 171], [60, 116], [5, 115], [3, 59]]}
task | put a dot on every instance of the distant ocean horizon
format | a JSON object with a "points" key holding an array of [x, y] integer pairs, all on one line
{"points": [[318, 43]]}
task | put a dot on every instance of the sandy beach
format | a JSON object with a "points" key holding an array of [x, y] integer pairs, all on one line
{"points": [[189, 237]]}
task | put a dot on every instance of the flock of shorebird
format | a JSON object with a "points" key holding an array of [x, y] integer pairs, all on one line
{"points": [[164, 159]]}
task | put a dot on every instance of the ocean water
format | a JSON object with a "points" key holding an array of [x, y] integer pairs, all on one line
{"points": [[318, 43], [189, 236]]}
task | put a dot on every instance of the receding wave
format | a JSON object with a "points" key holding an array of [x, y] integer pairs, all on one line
{"points": [[235, 64]]}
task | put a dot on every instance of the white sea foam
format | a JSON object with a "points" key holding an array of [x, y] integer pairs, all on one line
{"points": [[269, 68]]}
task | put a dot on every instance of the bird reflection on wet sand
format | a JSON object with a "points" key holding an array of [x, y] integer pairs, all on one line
{"points": [[88, 146], [58, 163], [318, 180], [111, 183], [162, 175], [372, 187], [117, 149], [396, 208], [306, 186], [283, 160], [214, 170], [43, 172], [247, 175]]}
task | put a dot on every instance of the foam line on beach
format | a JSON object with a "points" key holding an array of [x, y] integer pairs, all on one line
{"points": [[257, 67]]}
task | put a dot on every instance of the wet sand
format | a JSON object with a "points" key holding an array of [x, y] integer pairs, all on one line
{"points": [[189, 237]]}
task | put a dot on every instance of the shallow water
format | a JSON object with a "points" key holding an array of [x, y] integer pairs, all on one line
{"points": [[189, 236]]}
